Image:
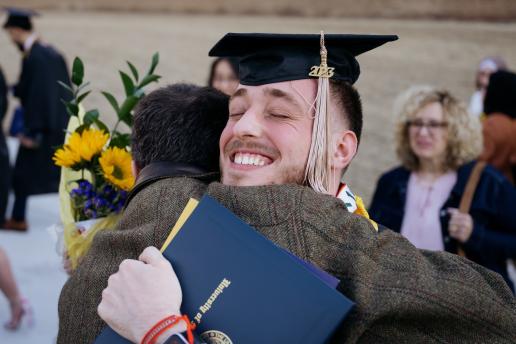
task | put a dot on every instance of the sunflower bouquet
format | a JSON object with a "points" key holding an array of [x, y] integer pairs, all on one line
{"points": [[105, 173], [95, 161]]}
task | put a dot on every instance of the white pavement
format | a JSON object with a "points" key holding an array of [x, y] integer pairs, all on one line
{"points": [[38, 272], [37, 269]]}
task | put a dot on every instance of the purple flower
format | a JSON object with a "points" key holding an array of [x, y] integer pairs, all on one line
{"points": [[92, 202]]}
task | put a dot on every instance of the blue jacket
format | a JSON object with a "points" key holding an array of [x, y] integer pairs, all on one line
{"points": [[493, 210]]}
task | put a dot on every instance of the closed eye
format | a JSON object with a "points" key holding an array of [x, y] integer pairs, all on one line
{"points": [[279, 115], [236, 114]]}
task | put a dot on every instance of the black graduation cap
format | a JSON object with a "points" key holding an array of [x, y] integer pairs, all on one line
{"points": [[267, 58], [18, 17]]}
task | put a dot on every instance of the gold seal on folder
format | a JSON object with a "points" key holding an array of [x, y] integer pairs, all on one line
{"points": [[216, 337]]}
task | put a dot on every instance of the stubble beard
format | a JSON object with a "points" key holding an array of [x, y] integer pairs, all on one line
{"points": [[289, 175]]}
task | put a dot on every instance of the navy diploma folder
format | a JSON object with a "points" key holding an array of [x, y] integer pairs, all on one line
{"points": [[239, 286]]}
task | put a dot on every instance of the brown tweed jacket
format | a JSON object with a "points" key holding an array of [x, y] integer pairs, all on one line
{"points": [[402, 295]]}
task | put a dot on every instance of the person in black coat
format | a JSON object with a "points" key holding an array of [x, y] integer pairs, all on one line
{"points": [[45, 116], [4, 153], [436, 143]]}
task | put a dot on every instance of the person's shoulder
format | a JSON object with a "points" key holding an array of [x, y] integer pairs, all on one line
{"points": [[395, 174], [489, 173], [494, 174], [174, 185], [37, 54], [497, 122], [43, 52]]}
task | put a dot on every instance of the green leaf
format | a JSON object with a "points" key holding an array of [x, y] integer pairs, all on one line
{"points": [[154, 63], [148, 79], [90, 117], [120, 140], [112, 101], [133, 70], [125, 110], [71, 108], [65, 86], [77, 71], [101, 125], [82, 96], [81, 128], [83, 86], [128, 83]]}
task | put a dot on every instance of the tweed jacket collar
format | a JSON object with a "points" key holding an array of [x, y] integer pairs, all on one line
{"points": [[165, 169]]}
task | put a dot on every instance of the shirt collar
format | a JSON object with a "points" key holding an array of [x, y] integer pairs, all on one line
{"points": [[29, 42], [347, 197]]}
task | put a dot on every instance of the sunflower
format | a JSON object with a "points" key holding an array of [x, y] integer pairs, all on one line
{"points": [[66, 157], [89, 143], [116, 167], [81, 147]]}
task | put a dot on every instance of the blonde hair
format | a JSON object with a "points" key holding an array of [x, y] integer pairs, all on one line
{"points": [[464, 141]]}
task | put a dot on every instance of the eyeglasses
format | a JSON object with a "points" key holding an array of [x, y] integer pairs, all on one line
{"points": [[432, 126]]}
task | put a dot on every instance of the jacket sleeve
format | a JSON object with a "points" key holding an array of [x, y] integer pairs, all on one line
{"points": [[499, 235], [484, 240], [488, 241], [403, 293]]}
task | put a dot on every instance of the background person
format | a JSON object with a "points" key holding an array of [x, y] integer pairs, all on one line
{"points": [[487, 66], [18, 305], [224, 75], [499, 127], [45, 116], [436, 140]]}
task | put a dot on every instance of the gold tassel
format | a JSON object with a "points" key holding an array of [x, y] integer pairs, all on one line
{"points": [[318, 173]]}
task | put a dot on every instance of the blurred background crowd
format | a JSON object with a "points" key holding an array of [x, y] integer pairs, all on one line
{"points": [[436, 102]]}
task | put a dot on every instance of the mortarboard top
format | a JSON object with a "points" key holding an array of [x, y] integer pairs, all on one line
{"points": [[18, 17], [267, 58]]}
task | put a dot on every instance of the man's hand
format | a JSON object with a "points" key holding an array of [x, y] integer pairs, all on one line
{"points": [[141, 294], [460, 226]]}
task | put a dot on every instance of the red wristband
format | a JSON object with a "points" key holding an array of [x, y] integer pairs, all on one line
{"points": [[163, 325]]}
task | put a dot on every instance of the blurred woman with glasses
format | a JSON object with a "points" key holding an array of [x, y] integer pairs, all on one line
{"points": [[436, 143]]}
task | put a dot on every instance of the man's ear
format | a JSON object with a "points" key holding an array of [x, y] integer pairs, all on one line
{"points": [[135, 169], [344, 149]]}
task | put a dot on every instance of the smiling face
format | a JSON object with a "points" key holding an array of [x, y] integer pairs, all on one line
{"points": [[268, 134], [428, 134]]}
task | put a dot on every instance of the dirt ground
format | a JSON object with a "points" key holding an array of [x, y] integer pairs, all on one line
{"points": [[441, 53], [490, 10]]}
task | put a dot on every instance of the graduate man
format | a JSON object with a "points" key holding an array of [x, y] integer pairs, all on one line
{"points": [[45, 116], [294, 119]]}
